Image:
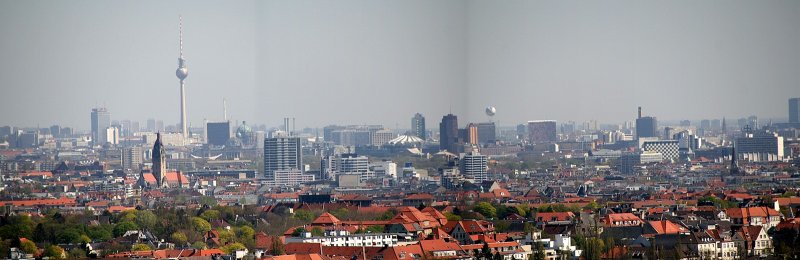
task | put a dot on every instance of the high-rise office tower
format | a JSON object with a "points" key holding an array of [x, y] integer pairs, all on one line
{"points": [[646, 126], [281, 153], [182, 72], [469, 134], [55, 131], [448, 134], [418, 126], [542, 131], [101, 119], [487, 132], [794, 110], [218, 133]]}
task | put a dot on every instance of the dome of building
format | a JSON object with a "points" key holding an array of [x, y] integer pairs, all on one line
{"points": [[244, 131]]}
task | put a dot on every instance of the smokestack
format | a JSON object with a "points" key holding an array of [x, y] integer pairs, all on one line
{"points": [[640, 112]]}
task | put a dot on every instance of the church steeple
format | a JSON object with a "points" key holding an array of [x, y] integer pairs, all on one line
{"points": [[159, 161], [734, 169]]}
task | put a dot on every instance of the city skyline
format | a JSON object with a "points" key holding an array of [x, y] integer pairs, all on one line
{"points": [[256, 53]]}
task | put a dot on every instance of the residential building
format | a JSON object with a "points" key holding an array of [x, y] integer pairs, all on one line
{"points": [[282, 153], [418, 126]]}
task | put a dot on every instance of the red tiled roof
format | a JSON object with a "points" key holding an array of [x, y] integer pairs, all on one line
{"points": [[621, 217], [746, 213], [34, 174], [559, 216], [439, 245], [63, 201], [788, 201], [666, 227], [326, 219]]}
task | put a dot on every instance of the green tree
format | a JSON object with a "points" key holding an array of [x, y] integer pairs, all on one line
{"points": [[100, 233], [123, 227], [128, 215], [244, 233], [304, 215], [17, 226], [206, 200], [68, 236], [538, 251], [298, 231], [486, 209], [375, 229], [451, 216], [210, 215], [389, 214], [317, 232], [54, 252], [146, 219], [232, 247], [140, 247], [77, 253], [502, 226], [277, 247], [28, 247], [200, 225], [179, 238], [199, 245]]}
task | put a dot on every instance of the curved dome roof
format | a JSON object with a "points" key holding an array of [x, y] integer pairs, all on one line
{"points": [[406, 139]]}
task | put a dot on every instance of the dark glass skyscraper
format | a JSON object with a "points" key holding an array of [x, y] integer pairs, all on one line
{"points": [[101, 119], [794, 110], [487, 132], [218, 133], [418, 126], [646, 127], [448, 134]]}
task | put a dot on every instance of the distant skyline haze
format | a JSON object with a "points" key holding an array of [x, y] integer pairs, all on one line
{"points": [[380, 62]]}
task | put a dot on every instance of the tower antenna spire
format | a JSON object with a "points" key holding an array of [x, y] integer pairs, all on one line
{"points": [[180, 34]]}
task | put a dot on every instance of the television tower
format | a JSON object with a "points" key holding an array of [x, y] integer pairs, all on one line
{"points": [[182, 72]]}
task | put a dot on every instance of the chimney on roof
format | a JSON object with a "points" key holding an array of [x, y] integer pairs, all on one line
{"points": [[640, 112]]}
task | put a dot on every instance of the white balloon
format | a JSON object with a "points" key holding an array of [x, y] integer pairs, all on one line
{"points": [[490, 111]]}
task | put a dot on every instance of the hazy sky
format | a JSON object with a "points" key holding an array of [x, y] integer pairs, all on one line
{"points": [[379, 62]]}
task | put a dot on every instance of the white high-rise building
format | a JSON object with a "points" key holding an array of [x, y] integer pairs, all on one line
{"points": [[111, 135], [282, 153], [474, 166]]}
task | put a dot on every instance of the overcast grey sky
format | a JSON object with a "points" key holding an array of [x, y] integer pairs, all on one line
{"points": [[379, 62]]}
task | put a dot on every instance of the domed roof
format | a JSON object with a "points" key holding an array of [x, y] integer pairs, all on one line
{"points": [[244, 131]]}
